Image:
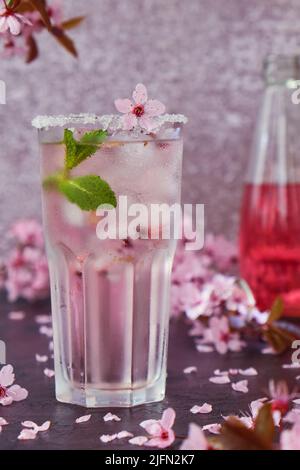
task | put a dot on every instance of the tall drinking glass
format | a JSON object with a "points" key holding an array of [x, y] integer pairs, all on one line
{"points": [[110, 298]]}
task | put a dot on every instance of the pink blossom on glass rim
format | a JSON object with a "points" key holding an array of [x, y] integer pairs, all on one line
{"points": [[9, 392], [160, 431], [11, 21], [139, 111], [290, 439], [195, 440]]}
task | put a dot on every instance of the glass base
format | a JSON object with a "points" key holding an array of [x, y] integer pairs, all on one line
{"points": [[127, 398]]}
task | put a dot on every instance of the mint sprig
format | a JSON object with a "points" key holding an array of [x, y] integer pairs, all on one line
{"points": [[78, 151], [88, 191]]}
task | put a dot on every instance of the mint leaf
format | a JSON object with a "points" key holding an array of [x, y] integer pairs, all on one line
{"points": [[78, 151], [88, 192]]}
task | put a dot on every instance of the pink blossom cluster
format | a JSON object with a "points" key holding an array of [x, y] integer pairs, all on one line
{"points": [[26, 270], [206, 295], [16, 29]]}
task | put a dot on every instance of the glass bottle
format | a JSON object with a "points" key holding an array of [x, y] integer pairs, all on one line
{"points": [[270, 213]]}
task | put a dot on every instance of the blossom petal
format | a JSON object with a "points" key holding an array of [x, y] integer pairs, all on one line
{"points": [[26, 434], [147, 123], [154, 108], [3, 25], [41, 358], [140, 95], [83, 419], [17, 393], [205, 408], [138, 440], [196, 439], [123, 105], [16, 315], [110, 417], [108, 437], [3, 422], [249, 372], [168, 418], [49, 372], [7, 375], [160, 442], [189, 370], [123, 434], [241, 386], [14, 25], [6, 401], [45, 426], [223, 379], [213, 428], [128, 121]]}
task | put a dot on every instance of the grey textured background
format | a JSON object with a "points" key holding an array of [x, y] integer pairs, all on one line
{"points": [[201, 57]]}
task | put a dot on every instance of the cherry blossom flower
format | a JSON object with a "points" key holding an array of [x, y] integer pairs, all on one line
{"points": [[27, 434], [12, 21], [280, 396], [223, 339], [195, 440], [290, 439], [140, 111], [160, 431], [27, 232], [223, 252], [9, 392]]}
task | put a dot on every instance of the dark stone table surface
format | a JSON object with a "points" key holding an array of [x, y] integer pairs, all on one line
{"points": [[23, 341]]}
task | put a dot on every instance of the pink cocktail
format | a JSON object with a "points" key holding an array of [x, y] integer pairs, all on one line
{"points": [[110, 298]]}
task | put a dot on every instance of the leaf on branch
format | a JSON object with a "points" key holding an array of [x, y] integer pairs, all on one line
{"points": [[64, 40], [236, 436], [276, 310], [33, 51], [40, 6], [264, 424], [72, 23], [279, 338]]}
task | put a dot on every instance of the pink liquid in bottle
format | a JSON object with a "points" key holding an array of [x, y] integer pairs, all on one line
{"points": [[270, 243]]}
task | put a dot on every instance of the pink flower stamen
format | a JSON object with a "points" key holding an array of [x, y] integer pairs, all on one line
{"points": [[2, 392], [138, 110]]}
